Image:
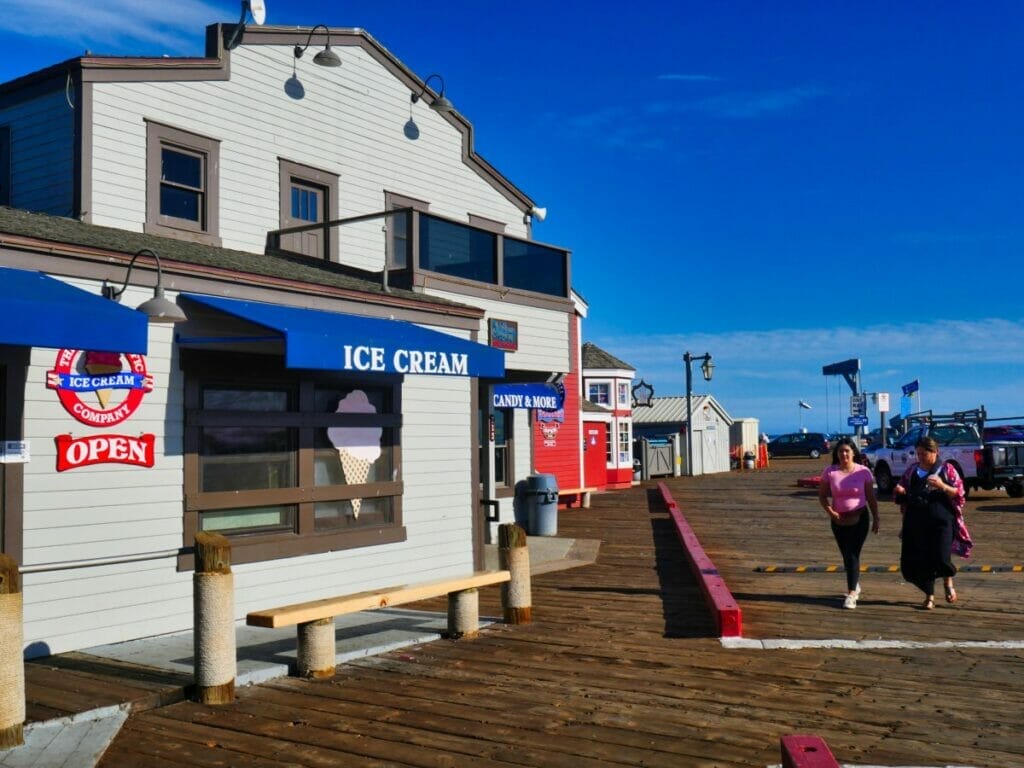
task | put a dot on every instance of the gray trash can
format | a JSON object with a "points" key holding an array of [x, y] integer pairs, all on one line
{"points": [[520, 506], [542, 505]]}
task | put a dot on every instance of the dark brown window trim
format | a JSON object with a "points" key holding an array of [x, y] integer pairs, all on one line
{"points": [[229, 368], [314, 177], [490, 225], [158, 135], [394, 201]]}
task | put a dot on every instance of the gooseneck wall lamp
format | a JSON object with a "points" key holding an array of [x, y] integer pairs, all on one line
{"points": [[440, 103], [158, 309], [707, 368], [326, 57]]}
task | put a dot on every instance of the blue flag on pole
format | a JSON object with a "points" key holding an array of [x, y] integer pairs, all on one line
{"points": [[911, 388]]}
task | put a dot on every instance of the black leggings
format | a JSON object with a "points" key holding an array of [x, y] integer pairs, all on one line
{"points": [[850, 539]]}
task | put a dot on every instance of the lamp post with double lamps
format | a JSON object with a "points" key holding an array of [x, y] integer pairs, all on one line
{"points": [[707, 368]]}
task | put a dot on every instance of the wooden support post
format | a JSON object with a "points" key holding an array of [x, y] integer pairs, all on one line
{"points": [[316, 654], [514, 557], [464, 614], [214, 631], [12, 663]]}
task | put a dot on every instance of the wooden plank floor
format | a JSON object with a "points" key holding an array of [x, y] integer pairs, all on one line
{"points": [[620, 668]]}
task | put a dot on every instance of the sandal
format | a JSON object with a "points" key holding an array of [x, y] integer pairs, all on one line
{"points": [[950, 593], [928, 604]]}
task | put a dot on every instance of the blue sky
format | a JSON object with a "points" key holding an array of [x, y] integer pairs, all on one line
{"points": [[784, 185]]}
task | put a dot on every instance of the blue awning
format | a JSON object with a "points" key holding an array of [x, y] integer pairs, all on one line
{"points": [[339, 342], [39, 311]]}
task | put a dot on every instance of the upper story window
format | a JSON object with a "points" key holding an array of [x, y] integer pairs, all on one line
{"points": [[623, 394], [5, 165], [182, 184], [308, 196], [599, 392]]}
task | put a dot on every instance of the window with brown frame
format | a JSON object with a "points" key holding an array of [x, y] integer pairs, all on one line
{"points": [[400, 234], [288, 463], [182, 184]]}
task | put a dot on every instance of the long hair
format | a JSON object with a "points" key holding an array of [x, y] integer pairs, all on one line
{"points": [[846, 441]]}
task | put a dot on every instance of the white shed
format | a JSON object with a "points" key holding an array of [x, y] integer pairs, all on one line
{"points": [[711, 429], [744, 434]]}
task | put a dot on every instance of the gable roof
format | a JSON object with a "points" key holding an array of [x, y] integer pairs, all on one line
{"points": [[216, 65], [595, 357], [672, 410]]}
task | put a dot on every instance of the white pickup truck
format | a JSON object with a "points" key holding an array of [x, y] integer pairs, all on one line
{"points": [[959, 443]]}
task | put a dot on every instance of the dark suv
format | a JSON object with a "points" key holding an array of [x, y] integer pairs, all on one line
{"points": [[812, 444]]}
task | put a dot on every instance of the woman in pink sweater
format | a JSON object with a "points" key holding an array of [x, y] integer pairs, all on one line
{"points": [[846, 493]]}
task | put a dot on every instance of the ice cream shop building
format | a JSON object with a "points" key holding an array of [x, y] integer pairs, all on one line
{"points": [[361, 323]]}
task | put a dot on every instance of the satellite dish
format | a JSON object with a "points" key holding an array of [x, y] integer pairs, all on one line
{"points": [[258, 9]]}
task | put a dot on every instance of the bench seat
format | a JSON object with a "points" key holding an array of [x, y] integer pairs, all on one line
{"points": [[314, 619], [315, 610], [582, 494]]}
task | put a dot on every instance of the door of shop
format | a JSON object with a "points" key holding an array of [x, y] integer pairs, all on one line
{"points": [[595, 454]]}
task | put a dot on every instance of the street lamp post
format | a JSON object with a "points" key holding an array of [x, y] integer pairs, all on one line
{"points": [[707, 368]]}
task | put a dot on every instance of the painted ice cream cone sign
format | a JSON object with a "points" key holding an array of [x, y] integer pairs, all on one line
{"points": [[103, 373], [100, 364], [358, 447]]}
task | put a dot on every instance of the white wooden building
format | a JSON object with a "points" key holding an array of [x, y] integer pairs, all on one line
{"points": [[327, 403], [667, 417]]}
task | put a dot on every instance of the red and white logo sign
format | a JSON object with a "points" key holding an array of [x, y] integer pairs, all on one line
{"points": [[103, 374], [104, 449]]}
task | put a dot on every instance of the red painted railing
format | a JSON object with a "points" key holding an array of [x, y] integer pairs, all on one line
{"points": [[724, 608]]}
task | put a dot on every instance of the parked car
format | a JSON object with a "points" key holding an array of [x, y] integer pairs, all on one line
{"points": [[812, 444]]}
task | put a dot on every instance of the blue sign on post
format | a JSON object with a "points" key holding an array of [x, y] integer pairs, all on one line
{"points": [[912, 387], [857, 421]]}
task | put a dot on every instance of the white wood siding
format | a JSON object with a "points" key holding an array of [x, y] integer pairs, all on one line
{"points": [[42, 154], [543, 333], [350, 122], [112, 510]]}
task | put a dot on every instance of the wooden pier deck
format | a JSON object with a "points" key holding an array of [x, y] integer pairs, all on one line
{"points": [[620, 666]]}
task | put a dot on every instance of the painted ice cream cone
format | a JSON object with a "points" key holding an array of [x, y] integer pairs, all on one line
{"points": [[356, 471], [102, 364], [358, 447]]}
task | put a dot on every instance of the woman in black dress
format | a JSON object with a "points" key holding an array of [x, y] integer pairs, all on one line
{"points": [[931, 498]]}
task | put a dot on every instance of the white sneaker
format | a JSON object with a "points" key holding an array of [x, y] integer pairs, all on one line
{"points": [[850, 601], [857, 590]]}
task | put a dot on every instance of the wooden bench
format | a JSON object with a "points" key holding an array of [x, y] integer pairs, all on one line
{"points": [[315, 619], [581, 494]]}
